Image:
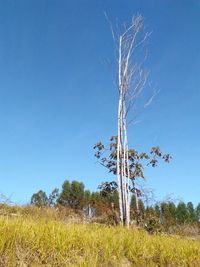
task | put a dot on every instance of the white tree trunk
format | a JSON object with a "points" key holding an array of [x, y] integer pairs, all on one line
{"points": [[119, 176], [131, 81], [122, 163], [127, 174]]}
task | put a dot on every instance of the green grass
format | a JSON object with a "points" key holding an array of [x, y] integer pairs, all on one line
{"points": [[28, 242]]}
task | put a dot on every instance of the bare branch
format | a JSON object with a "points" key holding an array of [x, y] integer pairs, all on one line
{"points": [[132, 79], [111, 26]]}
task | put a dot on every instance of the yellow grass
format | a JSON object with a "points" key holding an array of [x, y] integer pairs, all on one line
{"points": [[26, 241]]}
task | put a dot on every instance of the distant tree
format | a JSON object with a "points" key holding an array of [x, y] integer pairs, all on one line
{"points": [[53, 197], [87, 197], [109, 194], [95, 198], [191, 212], [150, 211], [168, 213], [197, 212], [113, 199], [182, 213], [64, 198], [137, 209], [134, 205], [158, 212], [77, 194], [98, 203], [107, 188], [72, 194], [141, 208], [39, 199], [172, 209]]}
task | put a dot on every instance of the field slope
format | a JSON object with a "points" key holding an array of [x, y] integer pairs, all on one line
{"points": [[29, 242]]}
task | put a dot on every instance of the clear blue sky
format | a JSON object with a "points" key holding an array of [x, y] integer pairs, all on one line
{"points": [[57, 96]]}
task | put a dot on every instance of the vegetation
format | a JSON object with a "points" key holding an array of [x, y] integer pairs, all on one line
{"points": [[165, 216], [132, 80], [54, 232], [75, 227], [36, 237], [107, 157]]}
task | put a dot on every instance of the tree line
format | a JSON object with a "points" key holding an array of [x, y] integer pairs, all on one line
{"points": [[73, 195], [166, 213]]}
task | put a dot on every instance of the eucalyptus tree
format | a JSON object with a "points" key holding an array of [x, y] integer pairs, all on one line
{"points": [[72, 194], [135, 163], [40, 199], [132, 80], [53, 197]]}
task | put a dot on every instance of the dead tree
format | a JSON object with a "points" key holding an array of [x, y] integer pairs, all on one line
{"points": [[132, 79]]}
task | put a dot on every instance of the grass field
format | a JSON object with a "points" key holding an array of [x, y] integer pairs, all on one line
{"points": [[25, 241]]}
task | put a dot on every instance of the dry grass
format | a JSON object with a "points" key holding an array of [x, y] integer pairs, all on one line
{"points": [[29, 241]]}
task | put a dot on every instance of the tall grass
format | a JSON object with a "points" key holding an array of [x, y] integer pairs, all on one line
{"points": [[48, 242]]}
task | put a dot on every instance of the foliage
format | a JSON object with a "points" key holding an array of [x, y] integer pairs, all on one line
{"points": [[107, 188], [72, 194], [107, 157], [197, 212], [53, 197], [87, 197], [182, 213], [191, 212], [39, 199], [165, 216], [137, 214]]}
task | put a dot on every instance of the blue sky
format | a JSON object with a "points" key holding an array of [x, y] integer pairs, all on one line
{"points": [[57, 96]]}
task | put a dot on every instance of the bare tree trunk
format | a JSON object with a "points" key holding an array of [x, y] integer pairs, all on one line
{"points": [[119, 175], [131, 81], [127, 173]]}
